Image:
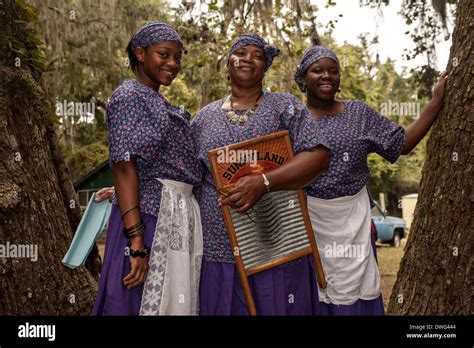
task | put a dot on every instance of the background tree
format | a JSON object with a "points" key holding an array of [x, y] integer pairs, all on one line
{"points": [[430, 21], [38, 204], [435, 276], [85, 44]]}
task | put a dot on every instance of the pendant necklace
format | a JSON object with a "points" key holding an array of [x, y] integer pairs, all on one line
{"points": [[244, 118]]}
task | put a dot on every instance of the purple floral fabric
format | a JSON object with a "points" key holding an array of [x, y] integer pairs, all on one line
{"points": [[351, 136], [143, 124], [211, 129]]}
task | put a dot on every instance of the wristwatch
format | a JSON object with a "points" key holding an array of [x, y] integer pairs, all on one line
{"points": [[266, 182]]}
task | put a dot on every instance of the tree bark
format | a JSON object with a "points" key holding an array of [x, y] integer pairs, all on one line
{"points": [[35, 191], [69, 195], [435, 276]]}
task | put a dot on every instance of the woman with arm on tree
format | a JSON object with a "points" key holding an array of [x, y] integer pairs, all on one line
{"points": [[353, 130]]}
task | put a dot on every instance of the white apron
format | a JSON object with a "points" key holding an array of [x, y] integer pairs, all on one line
{"points": [[342, 228], [172, 284]]}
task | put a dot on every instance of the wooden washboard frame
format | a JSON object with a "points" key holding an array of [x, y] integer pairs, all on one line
{"points": [[273, 150]]}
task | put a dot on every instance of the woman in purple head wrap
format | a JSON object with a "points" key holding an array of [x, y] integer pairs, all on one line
{"points": [[246, 113], [338, 201], [146, 271], [269, 51]]}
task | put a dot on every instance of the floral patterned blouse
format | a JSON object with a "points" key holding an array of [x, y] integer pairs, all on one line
{"points": [[143, 124], [211, 129], [351, 135]]}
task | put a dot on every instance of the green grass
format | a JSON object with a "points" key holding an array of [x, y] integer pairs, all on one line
{"points": [[389, 261]]}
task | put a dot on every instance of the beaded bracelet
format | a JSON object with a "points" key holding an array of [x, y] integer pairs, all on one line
{"points": [[137, 253]]}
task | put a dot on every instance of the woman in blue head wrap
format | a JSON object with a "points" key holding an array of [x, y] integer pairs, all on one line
{"points": [[247, 113], [154, 170], [338, 201]]}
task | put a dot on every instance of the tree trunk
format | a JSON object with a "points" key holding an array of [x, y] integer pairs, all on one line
{"points": [[69, 195], [36, 195], [435, 276]]}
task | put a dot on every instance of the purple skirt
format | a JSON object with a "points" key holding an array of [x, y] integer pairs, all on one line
{"points": [[289, 289], [113, 298], [360, 307]]}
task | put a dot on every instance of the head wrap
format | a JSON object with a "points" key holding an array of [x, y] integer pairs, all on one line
{"points": [[153, 34], [312, 55], [253, 39]]}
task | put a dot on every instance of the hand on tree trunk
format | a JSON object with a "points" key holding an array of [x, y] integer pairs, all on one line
{"points": [[439, 89], [418, 128]]}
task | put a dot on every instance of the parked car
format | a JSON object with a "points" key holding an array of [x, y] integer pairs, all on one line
{"points": [[389, 229]]}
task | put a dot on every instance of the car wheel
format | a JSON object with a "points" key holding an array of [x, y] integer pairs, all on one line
{"points": [[396, 240]]}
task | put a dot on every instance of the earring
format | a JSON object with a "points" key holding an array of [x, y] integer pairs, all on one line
{"points": [[339, 90]]}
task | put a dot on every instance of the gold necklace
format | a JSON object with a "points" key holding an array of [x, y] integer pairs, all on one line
{"points": [[244, 118]]}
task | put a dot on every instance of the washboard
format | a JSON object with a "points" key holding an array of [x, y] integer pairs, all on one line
{"points": [[277, 229]]}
